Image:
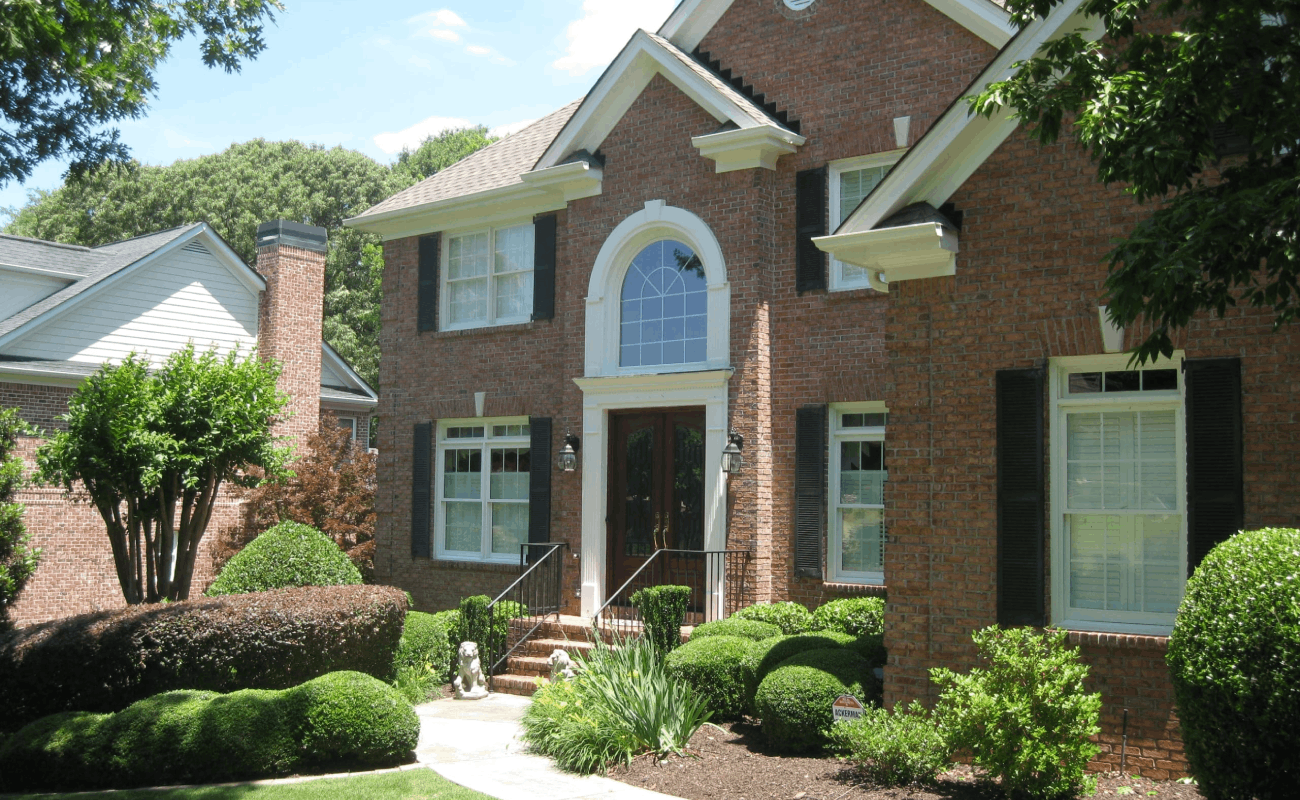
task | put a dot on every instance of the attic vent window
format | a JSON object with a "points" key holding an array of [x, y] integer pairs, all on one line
{"points": [[195, 247], [798, 5]]}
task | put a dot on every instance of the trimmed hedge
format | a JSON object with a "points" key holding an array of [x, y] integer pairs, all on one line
{"points": [[450, 621], [856, 616], [794, 700], [1234, 660], [287, 555], [472, 626], [203, 737], [733, 626], [663, 610], [713, 667], [421, 661], [269, 640], [789, 616]]}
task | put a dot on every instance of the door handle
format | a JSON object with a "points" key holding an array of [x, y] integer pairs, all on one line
{"points": [[654, 533]]}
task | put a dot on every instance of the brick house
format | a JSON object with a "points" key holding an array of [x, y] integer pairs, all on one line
{"points": [[775, 217], [65, 310]]}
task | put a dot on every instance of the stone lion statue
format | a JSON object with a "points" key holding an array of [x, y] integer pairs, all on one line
{"points": [[469, 683], [561, 665]]}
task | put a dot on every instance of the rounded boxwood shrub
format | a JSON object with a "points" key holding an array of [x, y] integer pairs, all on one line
{"points": [[794, 700], [712, 666], [350, 716], [1234, 660], [734, 626], [856, 616], [789, 616], [289, 554], [767, 655]]}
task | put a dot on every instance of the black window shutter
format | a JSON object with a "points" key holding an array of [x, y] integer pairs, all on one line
{"points": [[539, 479], [1022, 500], [421, 486], [1216, 502], [427, 295], [809, 221], [544, 267], [809, 489]]}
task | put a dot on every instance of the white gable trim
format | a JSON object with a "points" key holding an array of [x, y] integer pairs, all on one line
{"points": [[957, 144], [747, 148], [71, 277], [692, 20], [620, 86], [330, 356], [247, 275]]}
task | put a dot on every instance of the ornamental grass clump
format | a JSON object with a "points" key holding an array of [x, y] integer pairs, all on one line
{"points": [[789, 616], [1234, 660], [893, 748], [621, 704], [1025, 716]]}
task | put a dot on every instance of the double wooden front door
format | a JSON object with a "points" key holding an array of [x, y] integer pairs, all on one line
{"points": [[656, 486]]}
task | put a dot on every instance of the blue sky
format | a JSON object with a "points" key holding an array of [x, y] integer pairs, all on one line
{"points": [[372, 76]]}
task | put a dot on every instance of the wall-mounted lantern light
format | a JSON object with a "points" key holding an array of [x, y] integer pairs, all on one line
{"points": [[569, 453], [732, 461]]}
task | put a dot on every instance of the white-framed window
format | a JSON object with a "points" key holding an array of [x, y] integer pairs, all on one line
{"points": [[487, 277], [481, 491], [350, 425], [1119, 491], [857, 492], [663, 307], [852, 179]]}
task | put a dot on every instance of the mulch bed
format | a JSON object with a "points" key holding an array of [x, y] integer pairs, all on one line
{"points": [[732, 762]]}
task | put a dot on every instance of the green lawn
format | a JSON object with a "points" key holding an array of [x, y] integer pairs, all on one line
{"points": [[415, 784]]}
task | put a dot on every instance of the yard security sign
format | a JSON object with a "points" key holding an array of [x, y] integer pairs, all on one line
{"points": [[846, 707]]}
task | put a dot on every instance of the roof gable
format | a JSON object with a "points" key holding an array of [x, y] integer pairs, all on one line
{"points": [[644, 56], [337, 374]]}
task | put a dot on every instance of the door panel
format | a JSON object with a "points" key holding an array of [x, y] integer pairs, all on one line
{"points": [[656, 486]]}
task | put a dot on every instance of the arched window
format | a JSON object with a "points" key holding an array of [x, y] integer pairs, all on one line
{"points": [[664, 308]]}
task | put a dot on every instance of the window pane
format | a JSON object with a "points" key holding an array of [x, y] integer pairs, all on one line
{"points": [[467, 256], [509, 526], [862, 532], [665, 290], [514, 295], [464, 527], [462, 474], [514, 249], [468, 300], [1123, 381], [855, 185], [1159, 380], [509, 480], [1121, 460], [1085, 382], [1125, 563]]}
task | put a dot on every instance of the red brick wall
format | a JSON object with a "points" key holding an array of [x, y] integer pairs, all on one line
{"points": [[289, 329]]}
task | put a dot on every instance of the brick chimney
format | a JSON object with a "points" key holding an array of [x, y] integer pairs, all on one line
{"points": [[291, 257]]}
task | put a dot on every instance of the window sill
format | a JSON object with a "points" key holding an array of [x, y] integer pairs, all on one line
{"points": [[505, 567], [835, 295], [864, 589], [514, 327], [1155, 638]]}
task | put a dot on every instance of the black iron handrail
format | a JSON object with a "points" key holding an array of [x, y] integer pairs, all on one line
{"points": [[703, 571], [538, 591]]}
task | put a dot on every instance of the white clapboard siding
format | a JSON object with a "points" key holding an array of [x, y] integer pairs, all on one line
{"points": [[328, 377], [186, 295], [18, 290]]}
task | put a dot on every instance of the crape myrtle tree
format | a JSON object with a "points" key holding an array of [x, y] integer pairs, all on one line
{"points": [[70, 67], [17, 560], [247, 184], [151, 449], [1193, 106]]}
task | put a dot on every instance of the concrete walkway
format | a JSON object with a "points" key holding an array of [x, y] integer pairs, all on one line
{"points": [[476, 743]]}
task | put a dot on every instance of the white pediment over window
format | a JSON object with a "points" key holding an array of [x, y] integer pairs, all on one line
{"points": [[658, 259]]}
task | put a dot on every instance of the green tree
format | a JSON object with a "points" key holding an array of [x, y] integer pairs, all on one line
{"points": [[151, 449], [1152, 101], [436, 153], [17, 560], [68, 67]]}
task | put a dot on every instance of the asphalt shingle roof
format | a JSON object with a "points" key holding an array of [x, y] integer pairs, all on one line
{"points": [[94, 263], [747, 106]]}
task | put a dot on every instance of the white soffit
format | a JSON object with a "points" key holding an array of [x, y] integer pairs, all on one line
{"points": [[908, 252], [620, 86], [959, 142], [691, 21]]}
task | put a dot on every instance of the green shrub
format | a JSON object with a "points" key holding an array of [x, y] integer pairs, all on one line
{"points": [[790, 617], [450, 621], [663, 610], [1025, 717], [421, 660], [892, 748], [870, 646], [202, 737], [768, 654], [1234, 660], [289, 554], [270, 640], [622, 703], [713, 667], [351, 717], [472, 626], [856, 616], [734, 626], [794, 700]]}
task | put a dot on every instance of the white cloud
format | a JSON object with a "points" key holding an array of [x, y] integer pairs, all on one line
{"points": [[411, 137], [478, 50], [604, 27], [510, 127], [443, 34], [177, 141], [437, 24]]}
